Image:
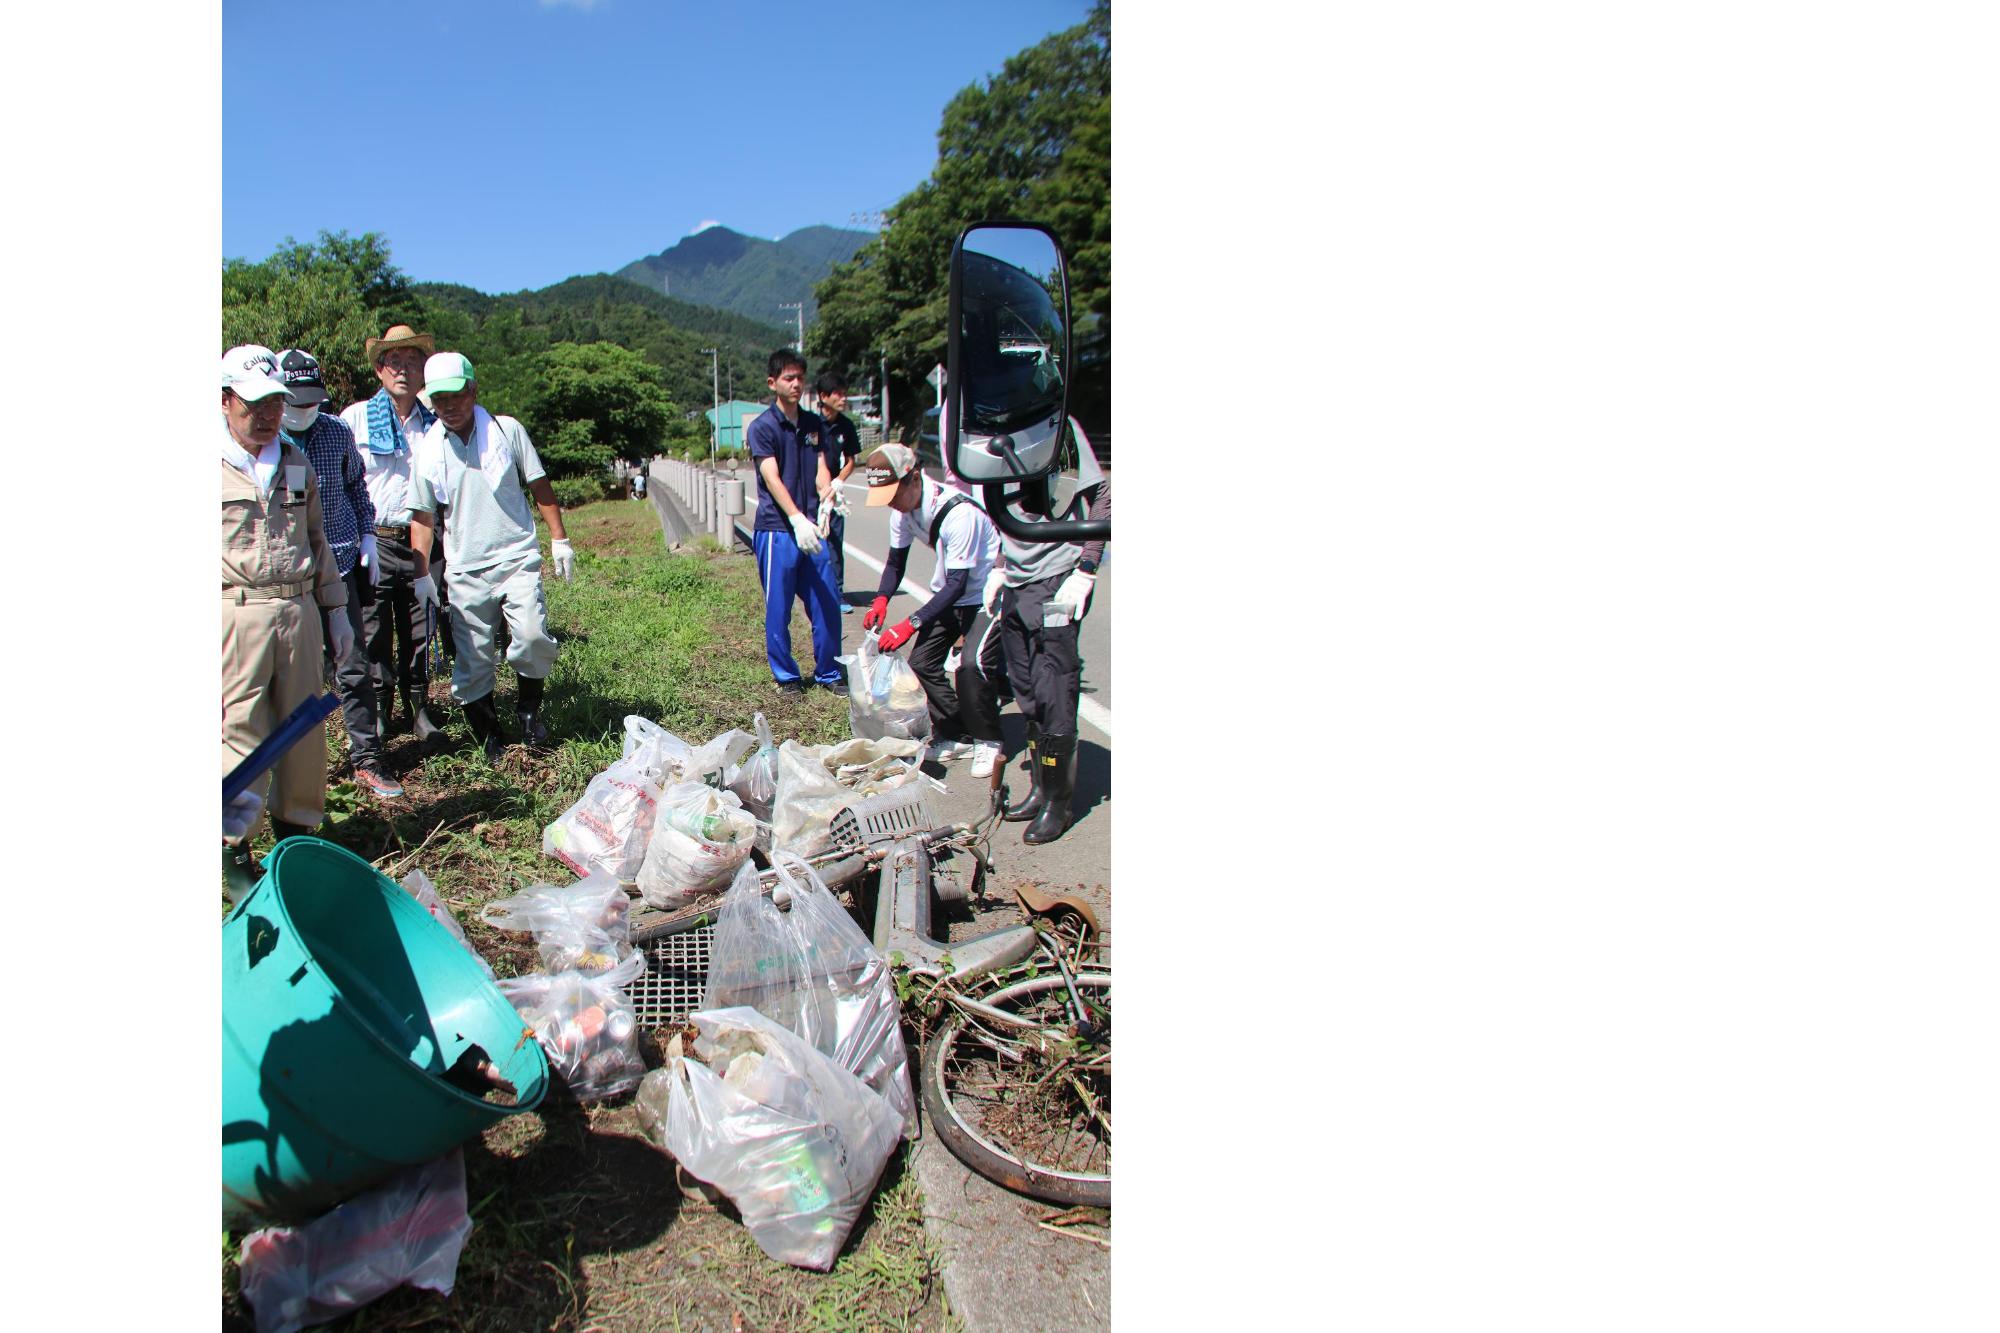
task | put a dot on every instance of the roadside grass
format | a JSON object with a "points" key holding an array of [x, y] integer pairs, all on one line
{"points": [[578, 1221]]}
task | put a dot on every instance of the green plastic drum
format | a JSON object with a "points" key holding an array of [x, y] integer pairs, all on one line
{"points": [[343, 1006]]}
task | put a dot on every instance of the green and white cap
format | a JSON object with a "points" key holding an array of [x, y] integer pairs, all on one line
{"points": [[445, 372]]}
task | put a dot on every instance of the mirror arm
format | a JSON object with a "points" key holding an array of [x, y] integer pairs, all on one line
{"points": [[1022, 529]]}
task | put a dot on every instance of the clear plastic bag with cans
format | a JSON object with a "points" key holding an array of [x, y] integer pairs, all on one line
{"points": [[796, 1142], [586, 1024], [812, 970]]}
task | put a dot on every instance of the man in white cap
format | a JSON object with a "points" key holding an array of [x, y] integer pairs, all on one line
{"points": [[278, 573], [349, 516], [386, 429], [965, 719], [485, 468]]}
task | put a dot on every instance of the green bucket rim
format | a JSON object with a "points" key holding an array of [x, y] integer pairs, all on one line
{"points": [[394, 892]]}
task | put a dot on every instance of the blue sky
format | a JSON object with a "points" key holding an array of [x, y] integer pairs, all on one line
{"points": [[513, 143]]}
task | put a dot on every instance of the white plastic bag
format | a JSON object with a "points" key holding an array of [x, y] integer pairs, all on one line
{"points": [[586, 1025], [795, 1141], [406, 1231], [700, 837], [884, 696], [608, 826], [418, 886], [755, 780], [815, 781], [656, 749], [585, 926], [713, 761], [813, 971]]}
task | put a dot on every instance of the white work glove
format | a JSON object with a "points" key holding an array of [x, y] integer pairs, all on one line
{"points": [[1074, 592], [989, 596], [825, 525], [370, 560], [339, 634], [240, 815], [806, 534], [562, 556], [425, 589]]}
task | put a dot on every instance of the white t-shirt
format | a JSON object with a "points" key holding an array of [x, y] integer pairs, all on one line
{"points": [[388, 475], [968, 539], [485, 481]]}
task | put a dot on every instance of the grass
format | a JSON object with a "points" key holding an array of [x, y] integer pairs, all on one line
{"points": [[578, 1221]]}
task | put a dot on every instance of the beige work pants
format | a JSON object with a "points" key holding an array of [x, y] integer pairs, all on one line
{"points": [[270, 665]]}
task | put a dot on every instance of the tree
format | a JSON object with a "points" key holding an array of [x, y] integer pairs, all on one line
{"points": [[327, 296], [1033, 142], [589, 403]]}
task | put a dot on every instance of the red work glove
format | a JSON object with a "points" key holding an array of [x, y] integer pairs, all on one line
{"points": [[897, 635], [878, 611]]}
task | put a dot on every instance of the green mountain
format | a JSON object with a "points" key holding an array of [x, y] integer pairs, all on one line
{"points": [[747, 274], [671, 333]]}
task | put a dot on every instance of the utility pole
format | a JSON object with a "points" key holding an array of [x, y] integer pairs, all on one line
{"points": [[799, 306], [715, 391], [885, 397]]}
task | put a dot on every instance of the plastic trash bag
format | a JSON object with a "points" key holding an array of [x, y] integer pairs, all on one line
{"points": [[700, 837], [407, 1231], [418, 885], [608, 826], [813, 971], [815, 781], [656, 748], [585, 1023], [796, 1142], [755, 780], [584, 927], [884, 696], [712, 762]]}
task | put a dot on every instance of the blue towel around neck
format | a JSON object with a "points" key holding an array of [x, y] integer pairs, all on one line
{"points": [[385, 433]]}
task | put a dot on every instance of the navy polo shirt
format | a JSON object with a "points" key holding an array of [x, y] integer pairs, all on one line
{"points": [[845, 442], [797, 449]]}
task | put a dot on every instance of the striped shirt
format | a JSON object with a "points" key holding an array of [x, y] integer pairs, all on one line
{"points": [[343, 487]]}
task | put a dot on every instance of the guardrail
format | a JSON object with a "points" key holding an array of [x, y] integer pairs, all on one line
{"points": [[694, 500]]}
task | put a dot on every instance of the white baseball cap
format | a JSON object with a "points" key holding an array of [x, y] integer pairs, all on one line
{"points": [[445, 372], [252, 372]]}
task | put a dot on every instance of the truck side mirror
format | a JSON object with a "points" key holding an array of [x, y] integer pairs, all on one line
{"points": [[1007, 365]]}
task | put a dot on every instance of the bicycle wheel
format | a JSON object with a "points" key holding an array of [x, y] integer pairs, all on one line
{"points": [[1028, 1108]]}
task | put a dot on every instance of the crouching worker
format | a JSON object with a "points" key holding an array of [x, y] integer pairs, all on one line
{"points": [[484, 468], [965, 719]]}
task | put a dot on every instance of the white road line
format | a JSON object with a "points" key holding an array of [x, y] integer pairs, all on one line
{"points": [[1088, 710]]}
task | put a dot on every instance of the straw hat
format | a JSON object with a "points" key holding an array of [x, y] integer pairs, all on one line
{"points": [[399, 335]]}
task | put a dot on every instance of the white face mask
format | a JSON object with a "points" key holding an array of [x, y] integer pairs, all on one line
{"points": [[300, 418]]}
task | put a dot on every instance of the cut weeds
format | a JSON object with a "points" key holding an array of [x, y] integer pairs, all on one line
{"points": [[578, 1221]]}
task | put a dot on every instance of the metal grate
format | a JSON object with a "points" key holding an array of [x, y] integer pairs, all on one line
{"points": [[676, 970]]}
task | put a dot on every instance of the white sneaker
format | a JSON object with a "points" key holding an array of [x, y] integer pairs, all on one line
{"points": [[985, 758], [944, 752]]}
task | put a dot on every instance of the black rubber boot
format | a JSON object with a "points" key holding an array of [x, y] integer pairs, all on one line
{"points": [[1031, 804], [484, 719], [421, 724], [1057, 762], [528, 703], [280, 830]]}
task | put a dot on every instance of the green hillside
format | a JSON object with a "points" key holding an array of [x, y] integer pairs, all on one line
{"points": [[668, 332], [747, 274]]}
